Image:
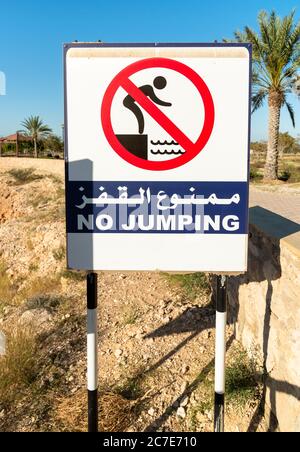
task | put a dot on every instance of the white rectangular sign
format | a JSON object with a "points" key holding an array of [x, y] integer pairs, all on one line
{"points": [[157, 156]]}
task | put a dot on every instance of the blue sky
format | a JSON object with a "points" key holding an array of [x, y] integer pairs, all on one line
{"points": [[32, 34]]}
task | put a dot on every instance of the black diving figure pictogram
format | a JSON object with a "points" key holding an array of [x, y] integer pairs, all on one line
{"points": [[130, 103]]}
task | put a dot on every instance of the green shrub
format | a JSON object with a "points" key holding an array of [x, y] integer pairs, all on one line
{"points": [[48, 302], [242, 384], [60, 253], [285, 175], [192, 284], [255, 175], [73, 275]]}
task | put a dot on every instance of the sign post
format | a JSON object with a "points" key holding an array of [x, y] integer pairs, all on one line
{"points": [[92, 351], [220, 353], [157, 168]]}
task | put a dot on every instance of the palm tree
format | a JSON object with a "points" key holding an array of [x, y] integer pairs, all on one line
{"points": [[276, 60], [36, 129]]}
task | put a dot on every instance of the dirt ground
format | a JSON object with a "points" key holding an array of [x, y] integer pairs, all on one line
{"points": [[156, 333]]}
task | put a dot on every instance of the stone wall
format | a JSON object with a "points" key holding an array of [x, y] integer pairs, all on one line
{"points": [[264, 307]]}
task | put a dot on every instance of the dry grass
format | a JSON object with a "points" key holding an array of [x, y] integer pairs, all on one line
{"points": [[289, 168], [23, 176], [129, 314], [76, 276], [18, 368], [116, 413], [39, 201], [39, 287], [30, 244], [59, 253], [7, 289]]}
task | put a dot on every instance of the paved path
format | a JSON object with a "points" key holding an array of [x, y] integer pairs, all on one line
{"points": [[285, 204]]}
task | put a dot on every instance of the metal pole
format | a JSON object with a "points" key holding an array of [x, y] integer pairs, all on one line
{"points": [[92, 352], [221, 320]]}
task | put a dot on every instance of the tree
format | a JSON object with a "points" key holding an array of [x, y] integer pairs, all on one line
{"points": [[36, 129], [54, 144], [287, 144], [276, 60], [259, 147]]}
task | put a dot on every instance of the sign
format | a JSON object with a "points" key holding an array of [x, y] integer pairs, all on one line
{"points": [[157, 139]]}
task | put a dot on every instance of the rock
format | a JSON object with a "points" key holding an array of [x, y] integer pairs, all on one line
{"points": [[151, 412], [209, 415], [201, 418], [185, 369], [184, 386], [118, 353], [181, 412], [165, 320], [36, 318], [184, 401]]}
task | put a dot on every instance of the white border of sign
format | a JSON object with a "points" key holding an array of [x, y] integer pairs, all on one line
{"points": [[212, 265]]}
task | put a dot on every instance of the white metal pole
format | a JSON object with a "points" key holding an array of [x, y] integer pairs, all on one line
{"points": [[92, 352], [220, 353]]}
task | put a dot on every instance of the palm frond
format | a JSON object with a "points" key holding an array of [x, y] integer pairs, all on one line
{"points": [[276, 54], [258, 99], [291, 112], [35, 127]]}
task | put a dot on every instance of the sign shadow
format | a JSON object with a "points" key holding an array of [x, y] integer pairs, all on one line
{"points": [[79, 246]]}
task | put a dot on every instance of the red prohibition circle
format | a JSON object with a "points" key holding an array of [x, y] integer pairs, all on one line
{"points": [[192, 149]]}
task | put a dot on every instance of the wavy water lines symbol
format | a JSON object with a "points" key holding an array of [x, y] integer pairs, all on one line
{"points": [[167, 152]]}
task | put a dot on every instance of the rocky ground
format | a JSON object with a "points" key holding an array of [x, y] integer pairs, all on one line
{"points": [[156, 337]]}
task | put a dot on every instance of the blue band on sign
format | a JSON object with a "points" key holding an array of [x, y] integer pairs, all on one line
{"points": [[157, 207]]}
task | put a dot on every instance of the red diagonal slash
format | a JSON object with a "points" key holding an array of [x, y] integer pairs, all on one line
{"points": [[157, 115]]}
